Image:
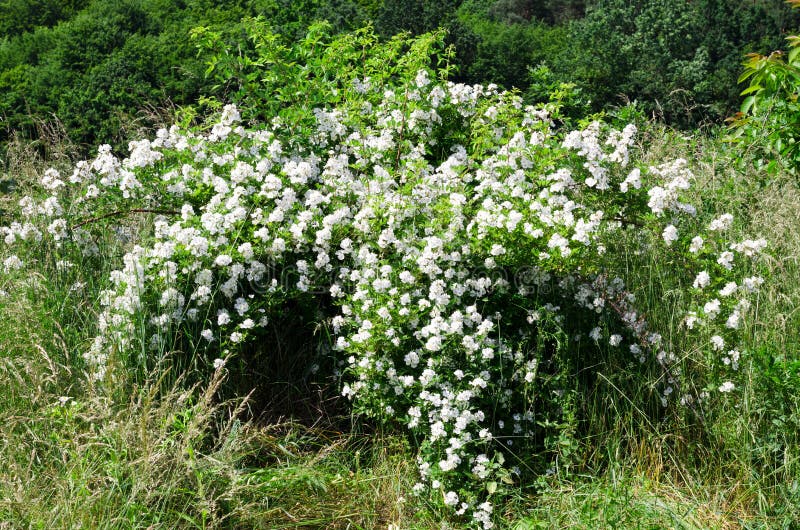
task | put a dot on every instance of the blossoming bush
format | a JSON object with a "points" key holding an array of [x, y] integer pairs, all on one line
{"points": [[470, 257]]}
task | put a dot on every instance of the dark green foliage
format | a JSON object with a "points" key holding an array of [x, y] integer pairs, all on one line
{"points": [[504, 52], [414, 16], [94, 65], [778, 419], [495, 41], [549, 11], [680, 59], [108, 68], [19, 16], [292, 17], [95, 71]]}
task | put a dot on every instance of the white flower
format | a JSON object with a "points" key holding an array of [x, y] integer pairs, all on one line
{"points": [[702, 280], [752, 283], [732, 359], [670, 235], [634, 179], [278, 245], [52, 180], [434, 343], [451, 498], [729, 289], [230, 115], [411, 359], [407, 278], [241, 306], [246, 250], [750, 247], [615, 340], [712, 308], [12, 263], [659, 199], [733, 320], [726, 260], [723, 222], [696, 244], [727, 386], [223, 260], [560, 242], [422, 80], [218, 363], [717, 342], [51, 207]]}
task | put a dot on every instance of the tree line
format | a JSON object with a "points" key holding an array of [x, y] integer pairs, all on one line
{"points": [[106, 69]]}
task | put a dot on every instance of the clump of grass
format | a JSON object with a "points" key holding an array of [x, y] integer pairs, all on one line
{"points": [[621, 498]]}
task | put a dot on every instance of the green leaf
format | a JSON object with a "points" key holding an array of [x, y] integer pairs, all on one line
{"points": [[748, 73], [793, 55], [751, 89], [747, 104]]}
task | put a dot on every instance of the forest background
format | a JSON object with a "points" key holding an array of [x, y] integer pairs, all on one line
{"points": [[91, 68]]}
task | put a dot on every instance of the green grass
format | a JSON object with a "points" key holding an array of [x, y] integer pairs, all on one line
{"points": [[622, 500]]}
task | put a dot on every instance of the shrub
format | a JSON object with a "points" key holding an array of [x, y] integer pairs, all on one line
{"points": [[769, 117], [469, 263]]}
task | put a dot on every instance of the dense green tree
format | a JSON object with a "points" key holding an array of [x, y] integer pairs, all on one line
{"points": [[552, 12], [681, 59], [504, 51], [95, 64], [19, 16], [414, 16]]}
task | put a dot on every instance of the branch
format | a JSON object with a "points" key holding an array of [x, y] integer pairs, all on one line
{"points": [[123, 212], [626, 222]]}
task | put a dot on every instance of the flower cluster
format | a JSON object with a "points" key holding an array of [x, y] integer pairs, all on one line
{"points": [[461, 240]]}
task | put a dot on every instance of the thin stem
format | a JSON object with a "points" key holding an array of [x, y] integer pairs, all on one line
{"points": [[122, 212]]}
